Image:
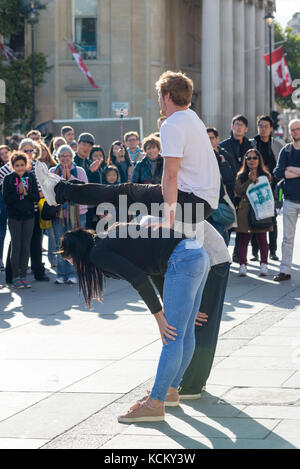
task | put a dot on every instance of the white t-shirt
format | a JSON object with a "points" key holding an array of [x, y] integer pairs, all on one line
{"points": [[184, 135], [206, 235]]}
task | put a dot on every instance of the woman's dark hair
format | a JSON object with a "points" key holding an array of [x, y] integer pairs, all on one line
{"points": [[112, 160], [94, 150], [18, 156], [261, 169], [77, 245], [4, 147]]}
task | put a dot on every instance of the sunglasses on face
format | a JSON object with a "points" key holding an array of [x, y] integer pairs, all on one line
{"points": [[29, 151], [255, 158]]}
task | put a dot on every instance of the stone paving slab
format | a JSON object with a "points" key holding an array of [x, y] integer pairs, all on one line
{"points": [[44, 375], [59, 409], [21, 443], [68, 372]]}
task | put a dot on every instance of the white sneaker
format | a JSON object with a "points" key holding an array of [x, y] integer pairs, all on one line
{"points": [[263, 270], [72, 280], [59, 280], [47, 182], [243, 270]]}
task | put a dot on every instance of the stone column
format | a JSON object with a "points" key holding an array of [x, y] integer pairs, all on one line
{"points": [[120, 49], [211, 63], [49, 41], [250, 75], [260, 66], [227, 90], [239, 56]]}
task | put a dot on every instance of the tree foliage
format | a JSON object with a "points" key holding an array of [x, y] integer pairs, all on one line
{"points": [[13, 13], [16, 114], [291, 48]]}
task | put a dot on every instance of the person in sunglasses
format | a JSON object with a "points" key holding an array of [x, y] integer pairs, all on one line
{"points": [[253, 166]]}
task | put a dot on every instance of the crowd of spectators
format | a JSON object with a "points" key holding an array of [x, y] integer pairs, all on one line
{"points": [[241, 161]]}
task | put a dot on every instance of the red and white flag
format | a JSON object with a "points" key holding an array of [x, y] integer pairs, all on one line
{"points": [[82, 65], [6, 51], [280, 73]]}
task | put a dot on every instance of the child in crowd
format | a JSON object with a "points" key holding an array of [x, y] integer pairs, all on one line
{"points": [[111, 175], [20, 192], [97, 154], [119, 157]]}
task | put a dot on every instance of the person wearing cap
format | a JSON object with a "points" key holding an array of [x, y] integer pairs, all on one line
{"points": [[85, 144]]}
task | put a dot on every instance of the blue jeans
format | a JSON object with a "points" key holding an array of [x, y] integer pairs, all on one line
{"points": [[185, 278], [3, 224], [64, 268], [212, 303], [51, 245]]}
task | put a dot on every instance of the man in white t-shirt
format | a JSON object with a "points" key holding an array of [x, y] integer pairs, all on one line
{"points": [[191, 176], [190, 165]]}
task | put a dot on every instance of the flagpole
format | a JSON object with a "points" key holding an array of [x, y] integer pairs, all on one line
{"points": [[271, 81], [269, 20]]}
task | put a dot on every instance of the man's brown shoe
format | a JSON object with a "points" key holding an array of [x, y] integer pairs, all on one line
{"points": [[144, 413], [281, 277]]}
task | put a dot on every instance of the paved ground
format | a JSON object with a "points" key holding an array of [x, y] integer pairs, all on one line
{"points": [[67, 372]]}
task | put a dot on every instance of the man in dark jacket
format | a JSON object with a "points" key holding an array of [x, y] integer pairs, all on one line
{"points": [[269, 149], [85, 144], [225, 161], [237, 145], [227, 178]]}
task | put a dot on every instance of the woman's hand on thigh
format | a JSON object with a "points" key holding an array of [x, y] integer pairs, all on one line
{"points": [[201, 318], [166, 331]]}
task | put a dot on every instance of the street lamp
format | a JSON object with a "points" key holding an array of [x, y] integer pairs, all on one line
{"points": [[32, 21], [269, 18]]}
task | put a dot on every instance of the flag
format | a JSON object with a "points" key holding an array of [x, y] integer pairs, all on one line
{"points": [[280, 73], [82, 65], [6, 51]]}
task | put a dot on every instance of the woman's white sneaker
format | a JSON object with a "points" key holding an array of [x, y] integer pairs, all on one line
{"points": [[47, 182], [243, 270], [263, 270]]}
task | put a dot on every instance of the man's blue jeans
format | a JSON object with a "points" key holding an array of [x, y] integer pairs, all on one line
{"points": [[64, 268], [199, 369], [185, 278]]}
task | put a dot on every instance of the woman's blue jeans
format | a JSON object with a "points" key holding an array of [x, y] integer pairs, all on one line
{"points": [[185, 278]]}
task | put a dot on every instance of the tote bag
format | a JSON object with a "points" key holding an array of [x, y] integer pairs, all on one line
{"points": [[262, 205]]}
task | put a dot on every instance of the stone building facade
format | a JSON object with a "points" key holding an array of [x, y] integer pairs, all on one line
{"points": [[127, 44]]}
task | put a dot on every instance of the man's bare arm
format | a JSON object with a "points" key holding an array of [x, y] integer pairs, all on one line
{"points": [[170, 188]]}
